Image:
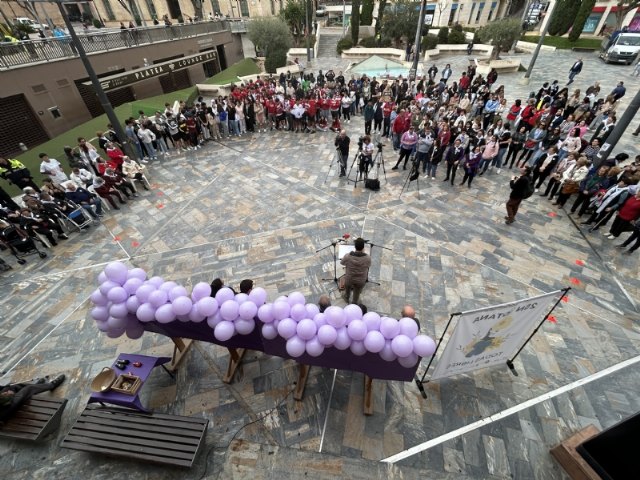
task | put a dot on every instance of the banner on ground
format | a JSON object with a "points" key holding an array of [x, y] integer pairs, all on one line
{"points": [[489, 336]]}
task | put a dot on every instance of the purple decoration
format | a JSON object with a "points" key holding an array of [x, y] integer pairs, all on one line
{"points": [[258, 296], [106, 286], [358, 348], [214, 320], [158, 298], [265, 313], [343, 341], [281, 310], [296, 298], [177, 292], [134, 332], [298, 312], [118, 310], [408, 327], [335, 317], [137, 273], [241, 298], [224, 294], [287, 328], [389, 327], [320, 319], [200, 290], [357, 330], [116, 323], [312, 310], [146, 313], [352, 312], [409, 361], [182, 305], [194, 315], [207, 306], [296, 346], [116, 272], [269, 331], [102, 277], [374, 341], [166, 287], [245, 327], [155, 281], [402, 346], [132, 304], [387, 352], [117, 295], [327, 335], [102, 326], [100, 313], [306, 328], [144, 291], [224, 331], [229, 310], [247, 310], [115, 333], [165, 314], [132, 285], [424, 346], [314, 348], [98, 298], [371, 320], [282, 298]]}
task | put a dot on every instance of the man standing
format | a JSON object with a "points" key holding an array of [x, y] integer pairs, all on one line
{"points": [[52, 168], [618, 92], [575, 70], [15, 172], [357, 268], [446, 73], [342, 146], [521, 188]]}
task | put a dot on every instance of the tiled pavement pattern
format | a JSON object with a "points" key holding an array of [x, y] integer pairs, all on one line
{"points": [[260, 207]]}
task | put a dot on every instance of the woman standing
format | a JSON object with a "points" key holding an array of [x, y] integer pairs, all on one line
{"points": [[407, 144], [471, 165], [536, 135], [489, 154], [434, 159], [628, 213], [517, 142], [571, 180], [260, 116]]}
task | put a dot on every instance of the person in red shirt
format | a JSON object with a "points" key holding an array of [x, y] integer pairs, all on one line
{"points": [[628, 213], [387, 108], [463, 84], [270, 104], [310, 106], [280, 117]]}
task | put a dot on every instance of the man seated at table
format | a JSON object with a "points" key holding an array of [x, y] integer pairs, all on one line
{"points": [[12, 396], [324, 302], [409, 312], [246, 286]]}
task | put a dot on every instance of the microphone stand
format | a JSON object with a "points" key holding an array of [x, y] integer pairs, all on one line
{"points": [[335, 261], [371, 245]]}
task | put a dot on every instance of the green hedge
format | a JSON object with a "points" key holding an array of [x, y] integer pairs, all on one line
{"points": [[429, 42], [275, 59], [344, 44], [457, 37]]}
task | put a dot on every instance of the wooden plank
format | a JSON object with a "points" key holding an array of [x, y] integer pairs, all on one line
{"points": [[180, 349], [368, 396], [32, 409], [571, 461], [30, 416], [235, 358], [22, 428], [303, 373], [134, 413], [18, 435], [131, 429], [25, 422], [134, 418], [118, 447], [132, 455], [164, 442]]}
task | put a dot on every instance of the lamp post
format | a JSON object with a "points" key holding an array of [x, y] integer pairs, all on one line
{"points": [[527, 75], [618, 130], [416, 56], [344, 18]]}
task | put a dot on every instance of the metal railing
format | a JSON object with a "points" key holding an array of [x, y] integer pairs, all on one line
{"points": [[49, 49], [238, 26]]}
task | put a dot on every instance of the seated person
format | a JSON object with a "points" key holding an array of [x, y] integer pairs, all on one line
{"points": [[324, 302], [36, 224], [102, 165], [107, 192], [246, 286], [84, 199], [409, 312], [114, 179], [52, 188], [29, 194], [115, 155], [81, 177], [12, 396], [134, 171]]}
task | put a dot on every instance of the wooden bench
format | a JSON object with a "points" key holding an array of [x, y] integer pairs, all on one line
{"points": [[158, 438], [37, 418]]}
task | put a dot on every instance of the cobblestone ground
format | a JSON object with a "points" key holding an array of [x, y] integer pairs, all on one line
{"points": [[260, 206]]}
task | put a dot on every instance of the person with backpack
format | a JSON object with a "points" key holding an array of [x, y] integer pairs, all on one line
{"points": [[521, 188]]}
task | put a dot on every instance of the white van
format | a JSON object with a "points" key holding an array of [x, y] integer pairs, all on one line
{"points": [[29, 22], [622, 49]]}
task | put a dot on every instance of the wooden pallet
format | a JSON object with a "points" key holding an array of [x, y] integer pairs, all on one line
{"points": [[36, 418], [157, 438]]}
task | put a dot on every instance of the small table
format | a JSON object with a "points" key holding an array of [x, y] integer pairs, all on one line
{"points": [[122, 399]]}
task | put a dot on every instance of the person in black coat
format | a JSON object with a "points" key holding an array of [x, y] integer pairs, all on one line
{"points": [[520, 189], [454, 156]]}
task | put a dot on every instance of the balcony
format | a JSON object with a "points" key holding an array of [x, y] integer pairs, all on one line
{"points": [[20, 54]]}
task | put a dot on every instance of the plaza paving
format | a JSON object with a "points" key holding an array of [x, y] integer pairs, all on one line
{"points": [[259, 207]]}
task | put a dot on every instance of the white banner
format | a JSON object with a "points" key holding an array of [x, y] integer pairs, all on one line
{"points": [[489, 336]]}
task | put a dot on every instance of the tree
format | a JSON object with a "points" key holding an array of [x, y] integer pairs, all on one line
{"points": [[624, 7], [355, 21], [294, 15], [378, 29], [366, 15], [581, 17], [442, 5], [564, 14], [501, 34], [269, 34], [401, 22]]}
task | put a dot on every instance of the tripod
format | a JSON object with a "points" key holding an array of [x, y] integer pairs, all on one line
{"points": [[339, 155], [378, 161], [335, 262], [414, 174], [358, 159], [371, 245]]}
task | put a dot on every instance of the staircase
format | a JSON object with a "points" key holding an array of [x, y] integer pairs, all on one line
{"points": [[328, 42]]}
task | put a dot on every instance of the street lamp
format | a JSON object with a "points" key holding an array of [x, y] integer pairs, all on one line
{"points": [[416, 56]]}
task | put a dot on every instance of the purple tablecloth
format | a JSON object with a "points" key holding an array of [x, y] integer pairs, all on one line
{"points": [[370, 364]]}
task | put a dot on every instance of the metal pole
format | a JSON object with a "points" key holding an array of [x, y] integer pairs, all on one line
{"points": [[618, 130], [102, 97], [307, 5], [416, 56], [537, 50], [344, 18]]}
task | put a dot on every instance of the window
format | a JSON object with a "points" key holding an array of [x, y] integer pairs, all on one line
{"points": [[273, 7], [55, 112], [109, 11], [244, 8], [473, 7], [152, 9], [215, 5], [480, 7], [491, 12]]}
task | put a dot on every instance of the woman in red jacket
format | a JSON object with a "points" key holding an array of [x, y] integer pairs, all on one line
{"points": [[628, 213]]}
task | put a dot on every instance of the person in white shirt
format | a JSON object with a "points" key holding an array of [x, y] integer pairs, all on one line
{"points": [[147, 137], [81, 177], [346, 107], [52, 168]]}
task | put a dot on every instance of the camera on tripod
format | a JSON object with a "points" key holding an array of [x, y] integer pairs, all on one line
{"points": [[379, 146], [360, 142]]}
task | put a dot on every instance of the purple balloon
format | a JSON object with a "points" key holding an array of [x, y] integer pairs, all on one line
{"points": [[177, 292], [296, 346], [358, 348], [281, 298], [194, 315], [98, 298], [155, 281], [327, 335], [106, 286], [374, 341], [371, 320], [119, 310], [224, 331], [229, 310], [298, 312], [357, 330], [134, 332], [258, 296], [207, 306], [343, 341], [146, 313], [241, 298], [247, 310], [166, 287], [137, 273], [335, 317], [352, 312], [296, 298], [102, 277], [116, 323], [100, 314], [102, 326], [116, 272], [265, 313], [306, 328], [320, 319], [224, 294], [245, 327], [424, 346], [281, 310], [312, 310], [389, 327], [144, 291], [165, 314], [387, 352], [132, 304], [314, 348], [117, 295], [158, 298], [132, 285], [214, 320], [182, 305], [115, 333], [409, 361], [269, 331], [183, 318], [287, 328], [402, 346], [200, 290], [408, 327]]}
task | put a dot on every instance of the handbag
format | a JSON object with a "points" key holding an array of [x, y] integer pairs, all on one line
{"points": [[372, 184], [570, 187], [529, 144]]}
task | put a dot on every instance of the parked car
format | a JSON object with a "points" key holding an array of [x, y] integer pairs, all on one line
{"points": [[321, 11], [30, 23], [621, 47]]}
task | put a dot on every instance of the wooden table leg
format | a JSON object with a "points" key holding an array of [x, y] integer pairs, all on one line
{"points": [[180, 348], [368, 396], [302, 381], [235, 357]]}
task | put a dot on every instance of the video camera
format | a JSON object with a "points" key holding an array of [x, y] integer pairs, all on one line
{"points": [[360, 142]]}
